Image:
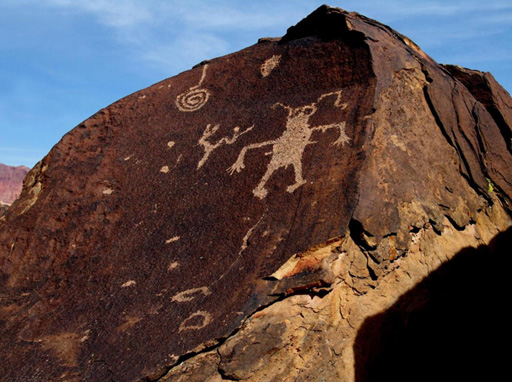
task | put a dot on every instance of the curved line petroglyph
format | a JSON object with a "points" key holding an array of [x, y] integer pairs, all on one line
{"points": [[245, 240], [191, 294], [195, 98], [172, 240], [269, 65], [209, 147], [289, 147], [207, 318]]}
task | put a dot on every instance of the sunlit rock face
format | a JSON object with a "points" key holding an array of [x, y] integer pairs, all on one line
{"points": [[245, 219]]}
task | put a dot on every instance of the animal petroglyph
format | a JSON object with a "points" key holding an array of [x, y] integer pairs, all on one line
{"points": [[289, 147], [209, 147], [195, 98], [191, 294], [269, 65], [190, 322]]}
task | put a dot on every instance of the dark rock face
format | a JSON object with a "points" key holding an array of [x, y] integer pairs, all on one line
{"points": [[11, 180], [490, 94], [149, 234]]}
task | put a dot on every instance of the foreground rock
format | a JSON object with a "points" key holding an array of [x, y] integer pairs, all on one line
{"points": [[11, 180], [243, 220]]}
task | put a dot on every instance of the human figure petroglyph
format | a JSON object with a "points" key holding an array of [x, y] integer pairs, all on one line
{"points": [[209, 147], [195, 98], [289, 147]]}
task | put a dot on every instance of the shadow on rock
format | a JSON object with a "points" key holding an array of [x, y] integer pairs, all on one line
{"points": [[452, 326]]}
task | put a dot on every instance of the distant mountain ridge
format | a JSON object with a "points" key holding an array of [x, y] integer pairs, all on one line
{"points": [[11, 182]]}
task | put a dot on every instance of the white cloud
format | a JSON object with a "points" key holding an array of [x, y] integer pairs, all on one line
{"points": [[176, 34], [119, 14], [405, 10], [220, 15], [192, 47], [487, 57]]}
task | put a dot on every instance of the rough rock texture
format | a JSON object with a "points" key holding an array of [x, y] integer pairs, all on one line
{"points": [[243, 220], [3, 208], [11, 180], [489, 93]]}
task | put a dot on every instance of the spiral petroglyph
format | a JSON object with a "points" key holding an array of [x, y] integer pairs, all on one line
{"points": [[195, 98], [192, 100]]}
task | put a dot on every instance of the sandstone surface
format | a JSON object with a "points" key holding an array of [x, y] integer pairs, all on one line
{"points": [[250, 218]]}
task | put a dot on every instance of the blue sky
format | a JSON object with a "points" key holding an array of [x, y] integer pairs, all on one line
{"points": [[63, 60]]}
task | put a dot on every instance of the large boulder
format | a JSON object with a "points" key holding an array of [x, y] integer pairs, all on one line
{"points": [[242, 220]]}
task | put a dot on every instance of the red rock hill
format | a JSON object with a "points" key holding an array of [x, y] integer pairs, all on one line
{"points": [[11, 180]]}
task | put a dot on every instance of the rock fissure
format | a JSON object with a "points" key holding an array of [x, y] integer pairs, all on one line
{"points": [[436, 115], [479, 136], [185, 357], [489, 93]]}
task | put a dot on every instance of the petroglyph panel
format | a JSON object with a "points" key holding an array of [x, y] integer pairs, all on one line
{"points": [[195, 98], [191, 294], [209, 147], [196, 321], [269, 65], [287, 150]]}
